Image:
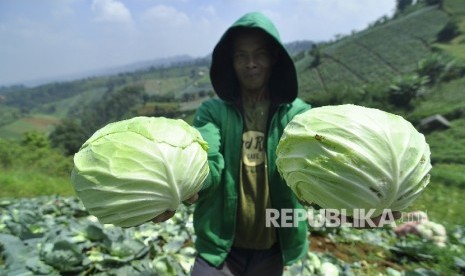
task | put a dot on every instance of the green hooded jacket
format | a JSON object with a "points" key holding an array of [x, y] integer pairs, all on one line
{"points": [[221, 124]]}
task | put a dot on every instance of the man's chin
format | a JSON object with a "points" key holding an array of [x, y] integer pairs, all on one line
{"points": [[253, 85]]}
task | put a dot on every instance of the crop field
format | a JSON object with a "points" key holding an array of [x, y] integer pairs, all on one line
{"points": [[40, 123], [44, 117], [331, 65], [34, 183], [368, 56], [166, 86], [310, 82], [423, 24], [61, 108], [56, 236]]}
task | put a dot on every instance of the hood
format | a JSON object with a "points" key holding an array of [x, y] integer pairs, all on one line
{"points": [[283, 81]]}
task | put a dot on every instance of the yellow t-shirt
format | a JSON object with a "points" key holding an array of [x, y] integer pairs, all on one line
{"points": [[253, 191]]}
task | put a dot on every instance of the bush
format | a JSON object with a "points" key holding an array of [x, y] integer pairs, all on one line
{"points": [[450, 30], [316, 54], [407, 88], [454, 70], [403, 4], [33, 153], [68, 136], [433, 2], [440, 68], [7, 153], [432, 67]]}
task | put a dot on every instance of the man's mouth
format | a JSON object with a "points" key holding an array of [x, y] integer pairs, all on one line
{"points": [[252, 76]]}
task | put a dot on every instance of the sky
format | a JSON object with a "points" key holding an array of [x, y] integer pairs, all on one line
{"points": [[41, 39]]}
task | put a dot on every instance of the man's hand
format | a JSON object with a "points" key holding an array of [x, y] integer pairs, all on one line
{"points": [[164, 216], [193, 199], [169, 214]]}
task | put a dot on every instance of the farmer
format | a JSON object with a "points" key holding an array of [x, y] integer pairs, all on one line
{"points": [[256, 83]]}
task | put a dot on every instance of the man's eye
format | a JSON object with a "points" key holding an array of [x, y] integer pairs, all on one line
{"points": [[263, 55], [240, 58]]}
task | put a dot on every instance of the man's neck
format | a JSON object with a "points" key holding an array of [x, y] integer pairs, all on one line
{"points": [[253, 97]]}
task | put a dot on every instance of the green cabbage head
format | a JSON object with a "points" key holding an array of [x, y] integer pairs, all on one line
{"points": [[353, 157], [130, 171]]}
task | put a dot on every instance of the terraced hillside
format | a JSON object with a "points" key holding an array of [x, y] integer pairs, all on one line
{"points": [[377, 54]]}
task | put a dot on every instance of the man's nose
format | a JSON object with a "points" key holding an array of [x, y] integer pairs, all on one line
{"points": [[251, 62]]}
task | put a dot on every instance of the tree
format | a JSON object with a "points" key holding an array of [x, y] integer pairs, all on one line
{"points": [[433, 2], [405, 89], [432, 67], [35, 140], [7, 153], [316, 54], [403, 4], [68, 136], [114, 106], [450, 30]]}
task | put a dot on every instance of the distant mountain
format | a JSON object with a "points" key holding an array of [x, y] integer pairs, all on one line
{"points": [[141, 65], [292, 47], [298, 46]]}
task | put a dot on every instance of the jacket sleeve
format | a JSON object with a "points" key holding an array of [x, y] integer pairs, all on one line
{"points": [[206, 123]]}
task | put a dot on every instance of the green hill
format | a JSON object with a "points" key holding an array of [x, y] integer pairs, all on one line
{"points": [[64, 100], [377, 54]]}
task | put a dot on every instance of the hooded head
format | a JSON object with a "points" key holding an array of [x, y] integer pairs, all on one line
{"points": [[283, 79]]}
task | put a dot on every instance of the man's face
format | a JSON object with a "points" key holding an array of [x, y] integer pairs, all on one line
{"points": [[252, 60]]}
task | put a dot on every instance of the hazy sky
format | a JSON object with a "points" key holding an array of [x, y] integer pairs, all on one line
{"points": [[46, 38]]}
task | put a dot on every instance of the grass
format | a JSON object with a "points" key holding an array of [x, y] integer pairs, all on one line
{"points": [[456, 47], [454, 138], [446, 99], [20, 182], [442, 201], [450, 175]]}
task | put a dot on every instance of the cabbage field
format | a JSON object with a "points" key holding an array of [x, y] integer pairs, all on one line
{"points": [[53, 235]]}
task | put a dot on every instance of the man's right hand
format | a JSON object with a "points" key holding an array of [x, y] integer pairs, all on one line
{"points": [[169, 214]]}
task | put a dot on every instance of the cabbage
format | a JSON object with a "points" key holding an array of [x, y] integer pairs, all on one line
{"points": [[329, 269], [433, 231], [130, 171], [353, 157]]}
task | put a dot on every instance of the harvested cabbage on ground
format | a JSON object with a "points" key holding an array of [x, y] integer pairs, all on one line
{"points": [[352, 157], [130, 171]]}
